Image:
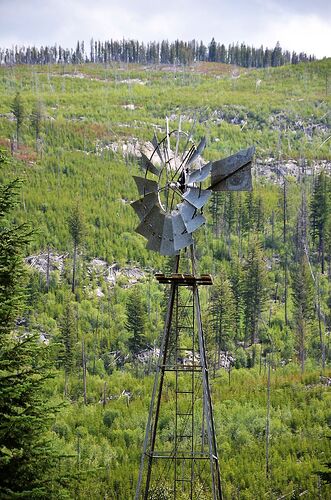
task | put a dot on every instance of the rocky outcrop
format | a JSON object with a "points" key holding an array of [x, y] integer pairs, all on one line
{"points": [[97, 268], [42, 260]]}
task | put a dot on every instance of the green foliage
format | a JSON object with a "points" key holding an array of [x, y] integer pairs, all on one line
{"points": [[85, 121], [304, 303], [27, 454], [136, 321], [254, 290], [222, 315], [17, 108]]}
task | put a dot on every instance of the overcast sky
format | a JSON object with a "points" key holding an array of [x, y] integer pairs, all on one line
{"points": [[300, 25]]}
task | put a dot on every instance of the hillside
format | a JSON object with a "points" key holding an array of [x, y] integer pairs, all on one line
{"points": [[83, 128]]}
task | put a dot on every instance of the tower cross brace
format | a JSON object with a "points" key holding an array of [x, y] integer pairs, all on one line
{"points": [[182, 462]]}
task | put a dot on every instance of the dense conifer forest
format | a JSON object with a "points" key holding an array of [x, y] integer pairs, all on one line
{"points": [[81, 313], [174, 53]]}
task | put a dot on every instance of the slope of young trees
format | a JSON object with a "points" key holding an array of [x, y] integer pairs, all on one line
{"points": [[269, 253]]}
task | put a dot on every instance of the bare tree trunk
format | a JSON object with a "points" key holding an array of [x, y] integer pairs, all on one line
{"points": [[267, 433], [104, 394], [319, 314], [48, 269], [285, 259], [273, 228], [73, 284], [301, 343], [84, 371], [66, 377]]}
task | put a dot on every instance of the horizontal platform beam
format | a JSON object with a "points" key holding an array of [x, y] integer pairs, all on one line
{"points": [[185, 279]]}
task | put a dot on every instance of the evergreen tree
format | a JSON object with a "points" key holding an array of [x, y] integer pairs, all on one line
{"points": [[236, 279], [26, 455], [222, 315], [36, 118], [67, 326], [320, 212], [136, 321], [212, 51], [77, 230], [304, 302], [18, 111], [254, 290]]}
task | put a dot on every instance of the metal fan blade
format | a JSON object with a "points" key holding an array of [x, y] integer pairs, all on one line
{"points": [[156, 147], [167, 242], [200, 174], [182, 238], [233, 173], [146, 164], [151, 227], [196, 196], [239, 181], [144, 205], [198, 151], [145, 186], [191, 219]]}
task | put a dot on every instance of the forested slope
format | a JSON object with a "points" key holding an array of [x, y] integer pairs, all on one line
{"points": [[73, 134]]}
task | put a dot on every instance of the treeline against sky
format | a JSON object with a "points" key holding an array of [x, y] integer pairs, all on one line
{"points": [[165, 52]]}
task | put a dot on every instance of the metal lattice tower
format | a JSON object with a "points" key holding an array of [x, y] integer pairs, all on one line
{"points": [[180, 459], [186, 466]]}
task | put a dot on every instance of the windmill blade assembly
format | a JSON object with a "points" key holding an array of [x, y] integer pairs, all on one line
{"points": [[169, 223]]}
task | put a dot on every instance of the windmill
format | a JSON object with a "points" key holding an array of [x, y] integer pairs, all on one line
{"points": [[180, 458]]}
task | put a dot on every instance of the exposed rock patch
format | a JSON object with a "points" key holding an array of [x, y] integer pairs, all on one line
{"points": [[111, 273], [97, 268], [42, 260]]}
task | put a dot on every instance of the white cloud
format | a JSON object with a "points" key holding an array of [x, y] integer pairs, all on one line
{"points": [[300, 25], [301, 33]]}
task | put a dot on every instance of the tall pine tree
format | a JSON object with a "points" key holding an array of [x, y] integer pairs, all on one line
{"points": [[136, 320], [304, 302], [254, 290], [26, 455]]}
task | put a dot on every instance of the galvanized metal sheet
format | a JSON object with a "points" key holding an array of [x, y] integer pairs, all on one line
{"points": [[144, 230], [151, 227], [239, 181], [182, 238], [167, 242], [198, 151], [146, 164], [144, 205], [154, 243], [196, 196], [222, 170], [199, 175], [157, 148], [145, 186], [191, 218]]}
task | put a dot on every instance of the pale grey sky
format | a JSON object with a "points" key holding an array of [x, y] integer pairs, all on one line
{"points": [[300, 25]]}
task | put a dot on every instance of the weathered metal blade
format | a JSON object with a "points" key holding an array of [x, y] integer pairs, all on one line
{"points": [[155, 143], [199, 175], [192, 220], [145, 186], [146, 164], [239, 181], [233, 173], [151, 227], [144, 205], [196, 196], [198, 151], [167, 242], [182, 238]]}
